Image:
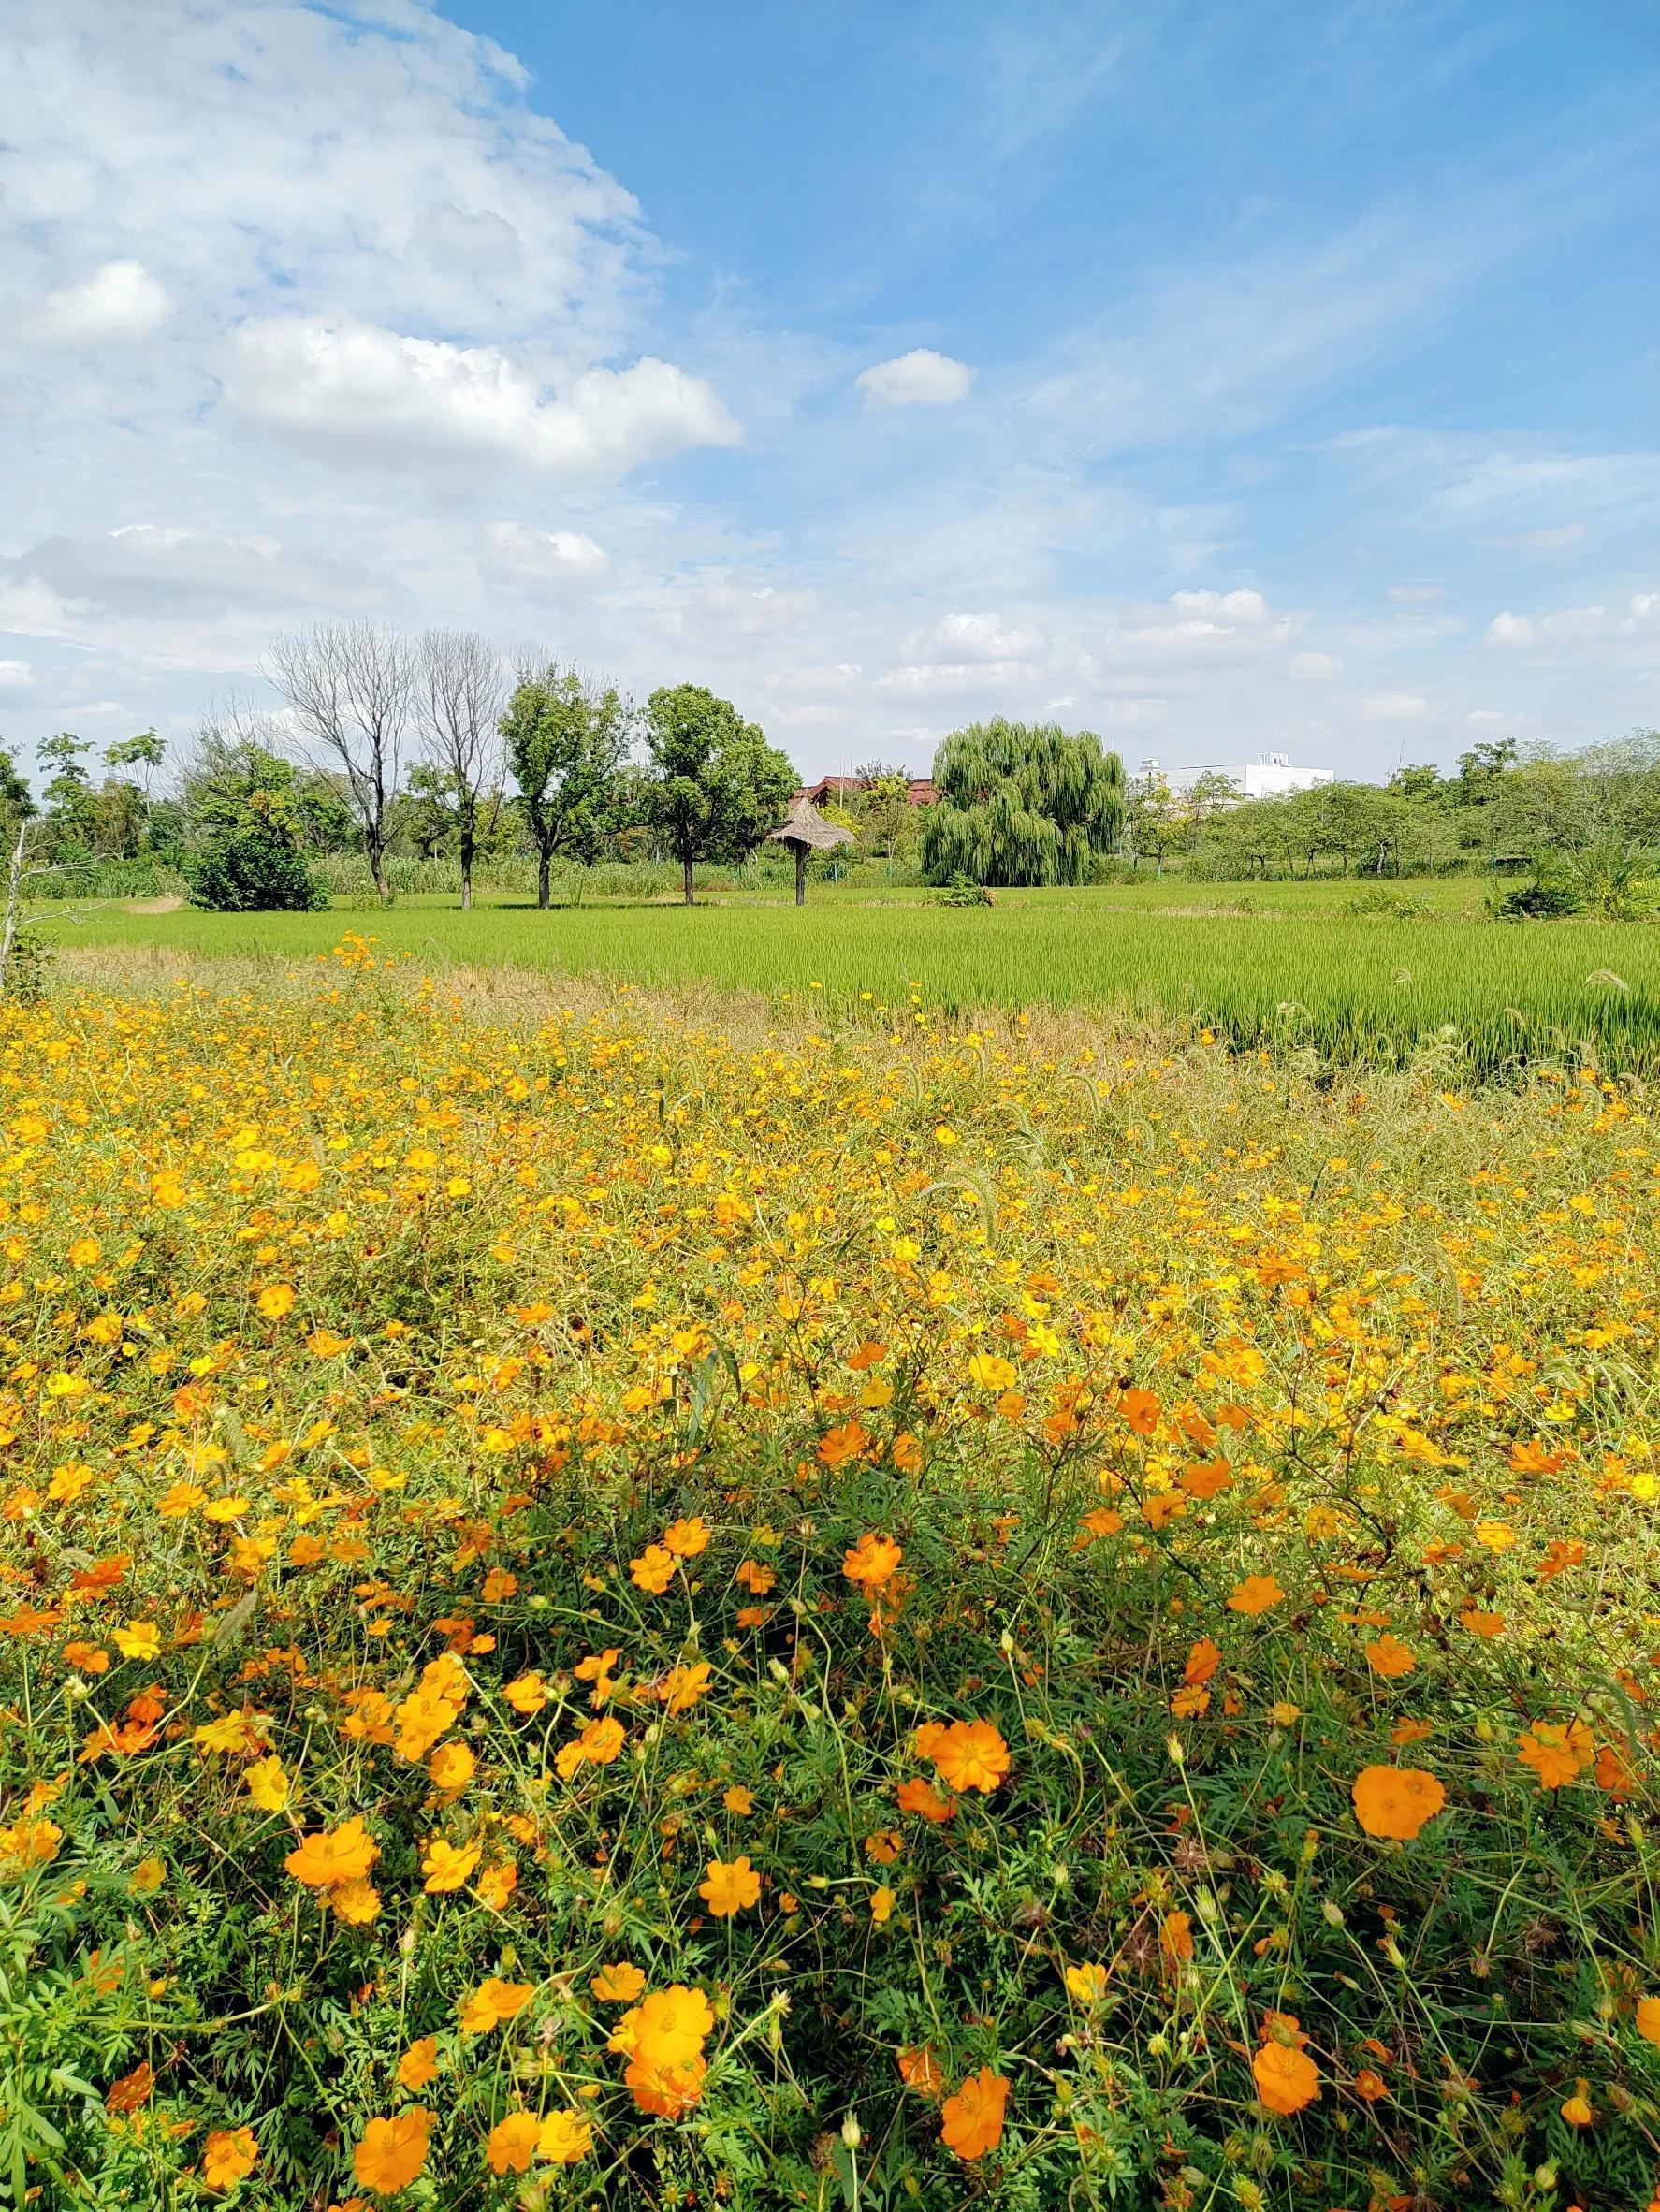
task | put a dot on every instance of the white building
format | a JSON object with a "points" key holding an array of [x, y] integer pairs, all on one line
{"points": [[1271, 777]]}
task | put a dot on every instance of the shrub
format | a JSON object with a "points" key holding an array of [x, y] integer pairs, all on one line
{"points": [[253, 870], [1548, 896]]}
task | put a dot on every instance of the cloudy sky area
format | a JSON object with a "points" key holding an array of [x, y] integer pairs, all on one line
{"points": [[1219, 377]]}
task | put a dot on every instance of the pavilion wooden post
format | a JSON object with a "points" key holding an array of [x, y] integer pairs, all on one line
{"points": [[805, 831]]}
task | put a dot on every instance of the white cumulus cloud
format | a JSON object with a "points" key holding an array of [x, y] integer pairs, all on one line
{"points": [[119, 304], [1315, 668], [814, 683], [987, 637], [920, 378], [154, 570], [952, 679], [348, 388], [1393, 707], [16, 676], [516, 553]]}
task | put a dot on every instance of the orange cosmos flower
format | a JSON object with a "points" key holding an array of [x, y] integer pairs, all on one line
{"points": [[527, 1694], [849, 1441], [919, 2070], [1558, 1752], [446, 1867], [923, 1797], [493, 2003], [1389, 1657], [1287, 2078], [393, 2152], [1175, 1937], [334, 1856], [1395, 1801], [418, 2065], [600, 1743], [682, 1687], [1139, 1409], [620, 1983], [905, 1452], [873, 1561], [687, 1538], [227, 2156], [653, 1571], [1536, 1459], [971, 1755], [512, 2144], [1257, 1593], [451, 1766], [563, 2137], [992, 1371], [1648, 2019], [1578, 2110], [972, 2121], [131, 2092], [732, 1886], [663, 2039]]}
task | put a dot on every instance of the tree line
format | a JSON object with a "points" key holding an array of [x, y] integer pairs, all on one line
{"points": [[386, 743], [396, 746], [1562, 814]]}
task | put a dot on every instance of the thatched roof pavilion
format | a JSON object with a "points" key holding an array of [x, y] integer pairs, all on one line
{"points": [[804, 831]]}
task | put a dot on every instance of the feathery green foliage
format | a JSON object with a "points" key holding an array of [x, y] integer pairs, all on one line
{"points": [[1022, 803]]}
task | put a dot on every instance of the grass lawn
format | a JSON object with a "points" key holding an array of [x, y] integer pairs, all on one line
{"points": [[1279, 967]]}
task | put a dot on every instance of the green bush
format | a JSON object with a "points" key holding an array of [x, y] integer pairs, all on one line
{"points": [[1547, 898], [252, 871]]}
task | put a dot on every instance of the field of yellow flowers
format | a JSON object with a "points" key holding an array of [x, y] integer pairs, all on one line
{"points": [[598, 1609]]}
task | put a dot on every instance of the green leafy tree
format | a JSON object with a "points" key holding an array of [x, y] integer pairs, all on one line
{"points": [[71, 804], [715, 785], [146, 751], [567, 735], [1021, 804], [1419, 782], [244, 810], [17, 801], [427, 814], [880, 814], [1149, 817]]}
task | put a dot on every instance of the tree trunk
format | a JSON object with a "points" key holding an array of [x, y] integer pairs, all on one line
{"points": [[544, 866], [11, 904], [466, 872], [801, 875], [377, 868], [686, 873]]}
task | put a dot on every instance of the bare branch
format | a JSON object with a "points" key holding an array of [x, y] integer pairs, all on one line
{"points": [[351, 688]]}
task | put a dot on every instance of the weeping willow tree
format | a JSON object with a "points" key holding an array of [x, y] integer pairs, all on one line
{"points": [[1021, 803]]}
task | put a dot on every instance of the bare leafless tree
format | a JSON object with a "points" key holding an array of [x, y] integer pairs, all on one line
{"points": [[351, 688], [460, 695]]}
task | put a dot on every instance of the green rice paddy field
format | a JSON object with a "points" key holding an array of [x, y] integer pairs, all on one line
{"points": [[1282, 967]]}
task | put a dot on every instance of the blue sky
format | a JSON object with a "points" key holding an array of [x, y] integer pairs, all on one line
{"points": [[1217, 377]]}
